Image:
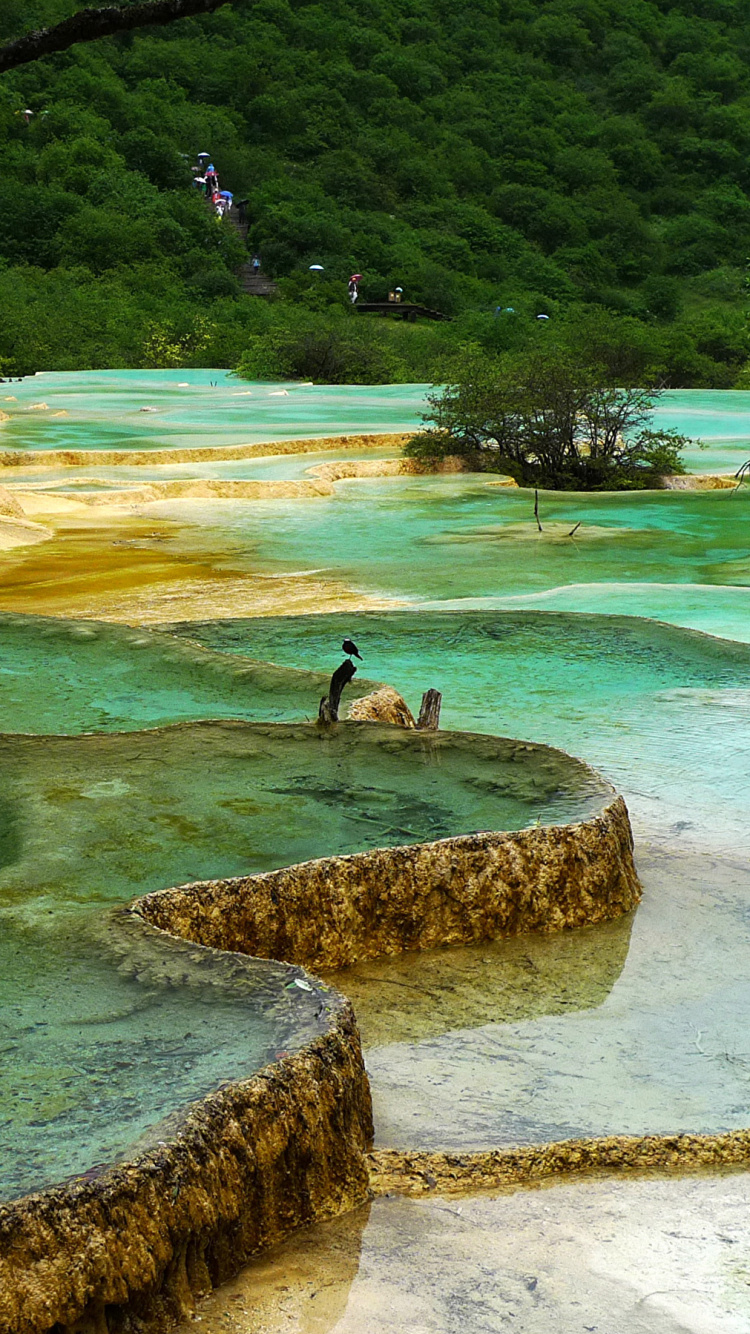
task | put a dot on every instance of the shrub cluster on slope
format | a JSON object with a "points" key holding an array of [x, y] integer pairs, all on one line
{"points": [[537, 154]]}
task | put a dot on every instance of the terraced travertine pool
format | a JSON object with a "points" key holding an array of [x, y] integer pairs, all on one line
{"points": [[186, 409], [92, 1058], [638, 1025], [459, 1050], [191, 409]]}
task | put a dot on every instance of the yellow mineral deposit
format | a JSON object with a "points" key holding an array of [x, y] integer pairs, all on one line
{"points": [[700, 482], [20, 533], [86, 458], [105, 560], [346, 469], [384, 705], [123, 567]]}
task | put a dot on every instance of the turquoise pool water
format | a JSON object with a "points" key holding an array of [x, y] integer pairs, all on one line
{"points": [[720, 418], [192, 409], [188, 408], [664, 713], [61, 676]]}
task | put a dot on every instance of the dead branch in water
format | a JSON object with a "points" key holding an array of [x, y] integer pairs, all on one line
{"points": [[329, 705], [740, 475]]}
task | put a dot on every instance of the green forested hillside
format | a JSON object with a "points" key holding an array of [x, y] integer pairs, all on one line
{"points": [[525, 153]]}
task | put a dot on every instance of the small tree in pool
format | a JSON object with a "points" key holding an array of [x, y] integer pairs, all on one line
{"points": [[548, 418]]}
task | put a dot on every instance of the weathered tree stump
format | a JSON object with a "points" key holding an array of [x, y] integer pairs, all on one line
{"points": [[329, 705], [429, 713]]}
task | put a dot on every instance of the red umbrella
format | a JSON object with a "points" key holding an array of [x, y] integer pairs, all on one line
{"points": [[356, 278]]}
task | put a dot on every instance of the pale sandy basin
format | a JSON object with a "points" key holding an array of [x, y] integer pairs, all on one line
{"points": [[634, 1256]]}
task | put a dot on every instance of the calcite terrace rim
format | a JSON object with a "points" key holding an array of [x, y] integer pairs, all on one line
{"points": [[609, 827], [84, 458], [90, 1252], [418, 1172]]}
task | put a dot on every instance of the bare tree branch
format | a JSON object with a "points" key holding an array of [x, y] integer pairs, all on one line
{"points": [[89, 24]]}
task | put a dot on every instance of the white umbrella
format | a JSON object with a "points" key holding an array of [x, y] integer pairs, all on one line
{"points": [[316, 268]]}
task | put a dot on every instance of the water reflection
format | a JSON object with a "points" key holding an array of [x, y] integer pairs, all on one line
{"points": [[637, 1256], [415, 997], [668, 1049]]}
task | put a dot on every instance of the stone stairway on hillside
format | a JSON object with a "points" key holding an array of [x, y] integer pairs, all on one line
{"points": [[252, 283], [255, 285], [233, 217]]}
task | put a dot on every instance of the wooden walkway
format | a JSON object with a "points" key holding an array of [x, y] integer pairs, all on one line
{"points": [[406, 310]]}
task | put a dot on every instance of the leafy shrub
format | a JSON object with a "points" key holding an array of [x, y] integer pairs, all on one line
{"points": [[549, 418]]}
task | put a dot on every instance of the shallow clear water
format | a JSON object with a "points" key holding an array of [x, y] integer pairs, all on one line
{"points": [[666, 1049], [190, 409], [439, 541], [91, 1057], [635, 1256]]}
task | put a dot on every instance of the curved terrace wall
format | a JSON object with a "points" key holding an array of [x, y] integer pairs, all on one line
{"points": [[338, 910], [127, 1247]]}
